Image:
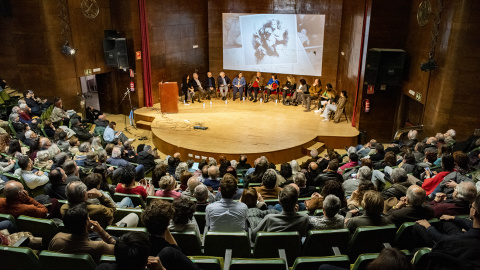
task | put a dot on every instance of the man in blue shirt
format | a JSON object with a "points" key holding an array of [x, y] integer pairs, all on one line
{"points": [[212, 180], [239, 85]]}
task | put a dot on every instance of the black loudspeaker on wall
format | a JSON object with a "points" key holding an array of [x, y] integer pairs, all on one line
{"points": [[115, 52], [384, 66]]}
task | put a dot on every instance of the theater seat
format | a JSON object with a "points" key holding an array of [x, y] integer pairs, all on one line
{"points": [[208, 263], [420, 260], [320, 242], [39, 227], [136, 199], [362, 261], [119, 231], [107, 259], [62, 261], [312, 263], [189, 242], [267, 245], [200, 218], [405, 238], [258, 264], [370, 239], [123, 212], [18, 258], [7, 217], [215, 244]]}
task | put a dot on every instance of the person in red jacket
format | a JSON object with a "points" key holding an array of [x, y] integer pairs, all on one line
{"points": [[17, 202], [430, 183]]}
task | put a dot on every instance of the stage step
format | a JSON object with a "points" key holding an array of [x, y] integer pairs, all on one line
{"points": [[320, 146], [144, 125]]}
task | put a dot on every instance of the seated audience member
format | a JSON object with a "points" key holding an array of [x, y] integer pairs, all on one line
{"points": [[242, 163], [131, 253], [268, 190], [301, 182], [49, 128], [72, 171], [43, 161], [78, 224], [168, 187], [238, 193], [213, 181], [156, 218], [92, 114], [286, 173], [364, 174], [331, 218], [55, 188], [183, 220], [226, 215], [288, 220], [379, 153], [172, 165], [82, 133], [353, 162], [32, 179], [410, 208], [117, 160], [74, 144], [81, 156], [460, 249], [355, 201], [158, 172], [102, 213], [331, 187], [256, 174], [364, 150], [184, 180], [7, 166], [463, 195], [312, 173], [257, 208], [101, 121], [419, 152], [147, 157], [400, 185], [313, 158], [462, 168], [432, 181], [17, 202], [373, 206], [34, 104], [58, 114], [201, 194], [192, 183], [180, 169], [128, 185], [63, 142], [110, 134], [330, 174]]}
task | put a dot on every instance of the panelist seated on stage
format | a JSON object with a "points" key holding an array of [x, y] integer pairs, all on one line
{"points": [[314, 93], [210, 85], [239, 84], [197, 87], [256, 84], [187, 87], [329, 94], [223, 84], [336, 107], [302, 88], [288, 88], [272, 85]]}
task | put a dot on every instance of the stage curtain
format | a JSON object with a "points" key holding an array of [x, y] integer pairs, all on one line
{"points": [[147, 73]]}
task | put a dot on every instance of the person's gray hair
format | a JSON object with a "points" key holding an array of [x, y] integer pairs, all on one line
{"points": [[147, 147], [75, 192], [213, 172], [201, 192], [21, 101], [416, 198], [331, 206], [23, 106], [351, 150], [84, 147], [43, 155], [412, 134], [102, 154], [116, 152], [451, 132], [13, 116], [233, 163], [295, 166], [54, 150], [182, 167], [466, 191], [190, 163], [15, 109], [28, 134], [399, 175], [364, 173], [314, 153], [264, 160], [299, 179], [212, 162], [269, 179], [192, 183], [96, 143]]}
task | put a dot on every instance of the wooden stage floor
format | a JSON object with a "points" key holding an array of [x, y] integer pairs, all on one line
{"points": [[279, 132]]}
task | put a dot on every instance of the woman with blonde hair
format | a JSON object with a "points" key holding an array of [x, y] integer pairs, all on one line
{"points": [[328, 95]]}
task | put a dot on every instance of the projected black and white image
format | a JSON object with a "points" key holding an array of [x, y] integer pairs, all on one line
{"points": [[280, 43]]}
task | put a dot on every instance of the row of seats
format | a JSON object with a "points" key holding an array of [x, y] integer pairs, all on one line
{"points": [[14, 258]]}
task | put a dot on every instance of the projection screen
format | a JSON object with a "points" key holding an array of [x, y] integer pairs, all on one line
{"points": [[276, 43]]}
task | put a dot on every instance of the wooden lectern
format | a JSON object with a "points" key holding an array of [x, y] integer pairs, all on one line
{"points": [[168, 93]]}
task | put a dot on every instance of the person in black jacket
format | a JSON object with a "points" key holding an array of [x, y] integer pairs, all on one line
{"points": [[34, 104], [400, 185], [56, 187], [210, 85], [329, 174], [82, 133], [187, 87], [147, 157]]}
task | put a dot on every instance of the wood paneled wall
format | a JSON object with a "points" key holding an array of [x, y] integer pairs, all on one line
{"points": [[333, 18]]}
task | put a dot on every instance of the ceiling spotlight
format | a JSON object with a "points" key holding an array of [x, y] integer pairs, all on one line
{"points": [[67, 50]]}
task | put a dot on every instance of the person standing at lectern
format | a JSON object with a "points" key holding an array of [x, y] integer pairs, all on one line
{"points": [[256, 83], [209, 85], [239, 85], [187, 87], [223, 84], [197, 86]]}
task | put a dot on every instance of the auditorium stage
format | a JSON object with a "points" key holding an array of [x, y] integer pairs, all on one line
{"points": [[281, 133]]}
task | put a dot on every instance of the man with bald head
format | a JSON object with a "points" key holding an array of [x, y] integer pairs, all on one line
{"points": [[17, 202], [463, 195], [411, 207], [212, 180], [192, 183]]}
